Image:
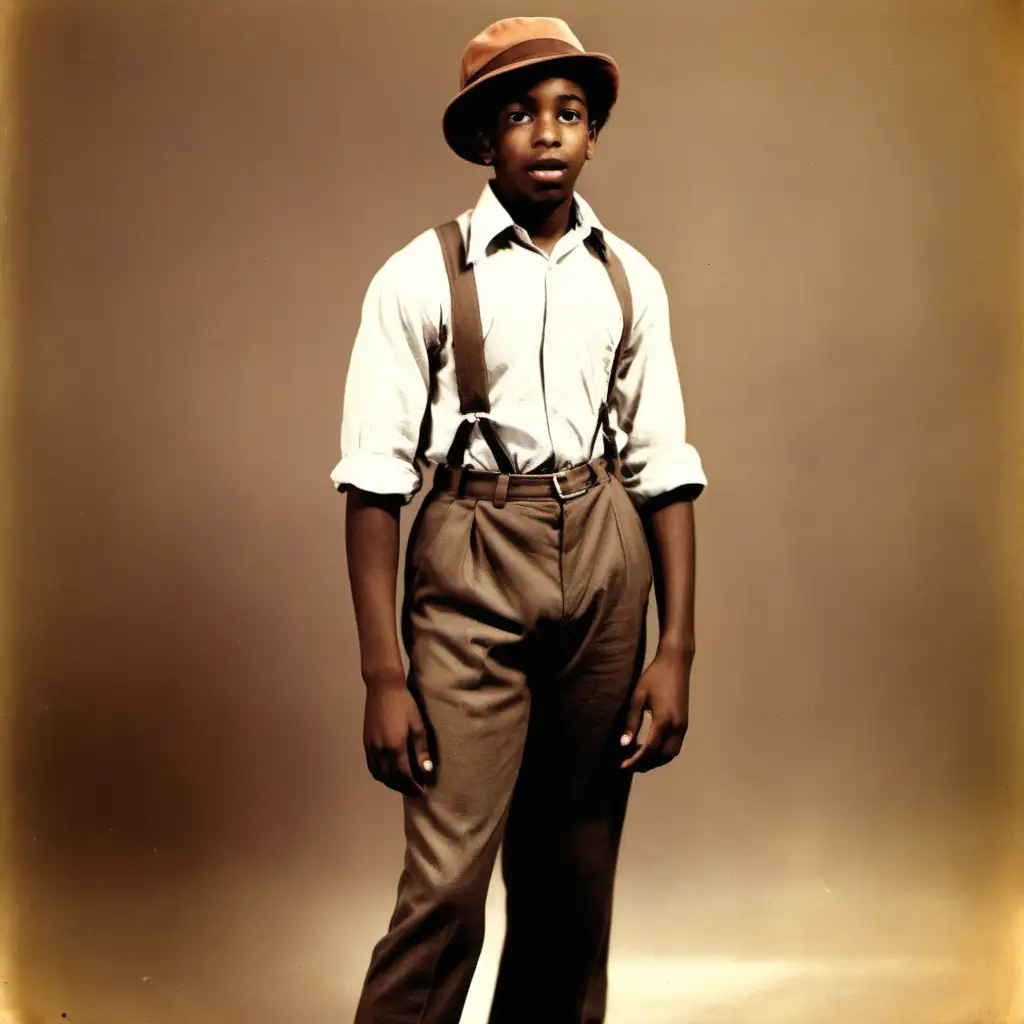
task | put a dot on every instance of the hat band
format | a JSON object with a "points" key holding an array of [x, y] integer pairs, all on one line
{"points": [[524, 51]]}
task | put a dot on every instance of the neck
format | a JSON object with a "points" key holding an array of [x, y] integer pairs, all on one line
{"points": [[544, 223]]}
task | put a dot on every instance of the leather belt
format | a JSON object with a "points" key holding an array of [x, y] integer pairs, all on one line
{"points": [[499, 487]]}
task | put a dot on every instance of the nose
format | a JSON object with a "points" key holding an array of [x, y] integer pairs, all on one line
{"points": [[547, 130]]}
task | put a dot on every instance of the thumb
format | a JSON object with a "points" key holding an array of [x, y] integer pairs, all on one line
{"points": [[420, 747], [635, 716]]}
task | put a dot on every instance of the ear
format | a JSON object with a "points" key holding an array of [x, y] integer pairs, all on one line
{"points": [[485, 148], [591, 140]]}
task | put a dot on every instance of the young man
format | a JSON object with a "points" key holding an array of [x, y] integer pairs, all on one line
{"points": [[500, 347]]}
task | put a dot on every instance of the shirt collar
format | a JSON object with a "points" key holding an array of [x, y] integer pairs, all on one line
{"points": [[490, 219]]}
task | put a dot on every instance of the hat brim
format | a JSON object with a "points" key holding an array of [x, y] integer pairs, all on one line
{"points": [[459, 125]]}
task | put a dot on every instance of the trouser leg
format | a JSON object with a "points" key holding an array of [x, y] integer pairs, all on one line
{"points": [[563, 834], [477, 578]]}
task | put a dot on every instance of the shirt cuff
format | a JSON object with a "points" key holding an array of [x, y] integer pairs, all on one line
{"points": [[378, 474], [666, 473]]}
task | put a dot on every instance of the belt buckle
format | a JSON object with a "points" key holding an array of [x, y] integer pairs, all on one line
{"points": [[571, 494]]}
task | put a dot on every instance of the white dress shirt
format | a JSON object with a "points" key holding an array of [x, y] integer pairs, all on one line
{"points": [[550, 325]]}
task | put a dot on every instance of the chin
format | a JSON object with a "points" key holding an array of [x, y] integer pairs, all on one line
{"points": [[545, 194]]}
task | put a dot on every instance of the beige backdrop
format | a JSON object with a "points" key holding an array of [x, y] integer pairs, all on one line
{"points": [[202, 190]]}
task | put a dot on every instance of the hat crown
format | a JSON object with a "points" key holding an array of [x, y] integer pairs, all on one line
{"points": [[508, 46], [508, 32]]}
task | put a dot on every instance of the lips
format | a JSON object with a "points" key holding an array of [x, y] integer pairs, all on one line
{"points": [[551, 171]]}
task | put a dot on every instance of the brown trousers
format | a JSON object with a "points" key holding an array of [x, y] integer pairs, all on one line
{"points": [[524, 626]]}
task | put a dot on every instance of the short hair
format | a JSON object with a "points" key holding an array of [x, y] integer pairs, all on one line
{"points": [[493, 96]]}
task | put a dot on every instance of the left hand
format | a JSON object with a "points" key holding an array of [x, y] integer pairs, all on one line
{"points": [[664, 691]]}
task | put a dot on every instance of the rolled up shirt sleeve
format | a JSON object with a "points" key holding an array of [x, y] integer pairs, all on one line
{"points": [[386, 391], [647, 403]]}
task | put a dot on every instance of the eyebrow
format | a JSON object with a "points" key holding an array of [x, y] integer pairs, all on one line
{"points": [[565, 97]]}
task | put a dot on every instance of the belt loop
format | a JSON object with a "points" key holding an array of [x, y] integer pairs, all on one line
{"points": [[456, 482], [501, 491]]}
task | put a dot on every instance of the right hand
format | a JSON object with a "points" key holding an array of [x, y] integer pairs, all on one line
{"points": [[392, 725]]}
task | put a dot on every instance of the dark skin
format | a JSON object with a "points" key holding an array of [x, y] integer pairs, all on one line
{"points": [[394, 738], [663, 691], [547, 120]]}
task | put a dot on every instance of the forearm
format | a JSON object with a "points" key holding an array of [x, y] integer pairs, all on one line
{"points": [[669, 525], [371, 542]]}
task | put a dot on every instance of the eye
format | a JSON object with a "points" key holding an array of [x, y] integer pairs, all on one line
{"points": [[573, 115], [518, 116]]}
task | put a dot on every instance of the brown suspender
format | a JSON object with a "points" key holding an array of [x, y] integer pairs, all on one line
{"points": [[617, 274], [467, 333], [468, 349], [468, 352]]}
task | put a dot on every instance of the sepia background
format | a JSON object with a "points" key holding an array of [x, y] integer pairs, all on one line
{"points": [[198, 193]]}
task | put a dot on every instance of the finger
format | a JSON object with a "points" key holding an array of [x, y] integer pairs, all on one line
{"points": [[380, 764], [402, 775], [650, 747], [421, 750], [373, 763], [394, 780], [405, 786], [630, 763], [647, 756], [671, 748], [634, 717], [382, 770]]}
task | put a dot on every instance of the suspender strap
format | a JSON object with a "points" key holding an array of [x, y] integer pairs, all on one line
{"points": [[467, 333], [468, 352], [617, 274]]}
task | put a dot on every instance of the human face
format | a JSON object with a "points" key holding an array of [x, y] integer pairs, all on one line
{"points": [[540, 142]]}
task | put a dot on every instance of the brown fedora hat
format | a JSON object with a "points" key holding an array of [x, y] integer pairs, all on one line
{"points": [[510, 45]]}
